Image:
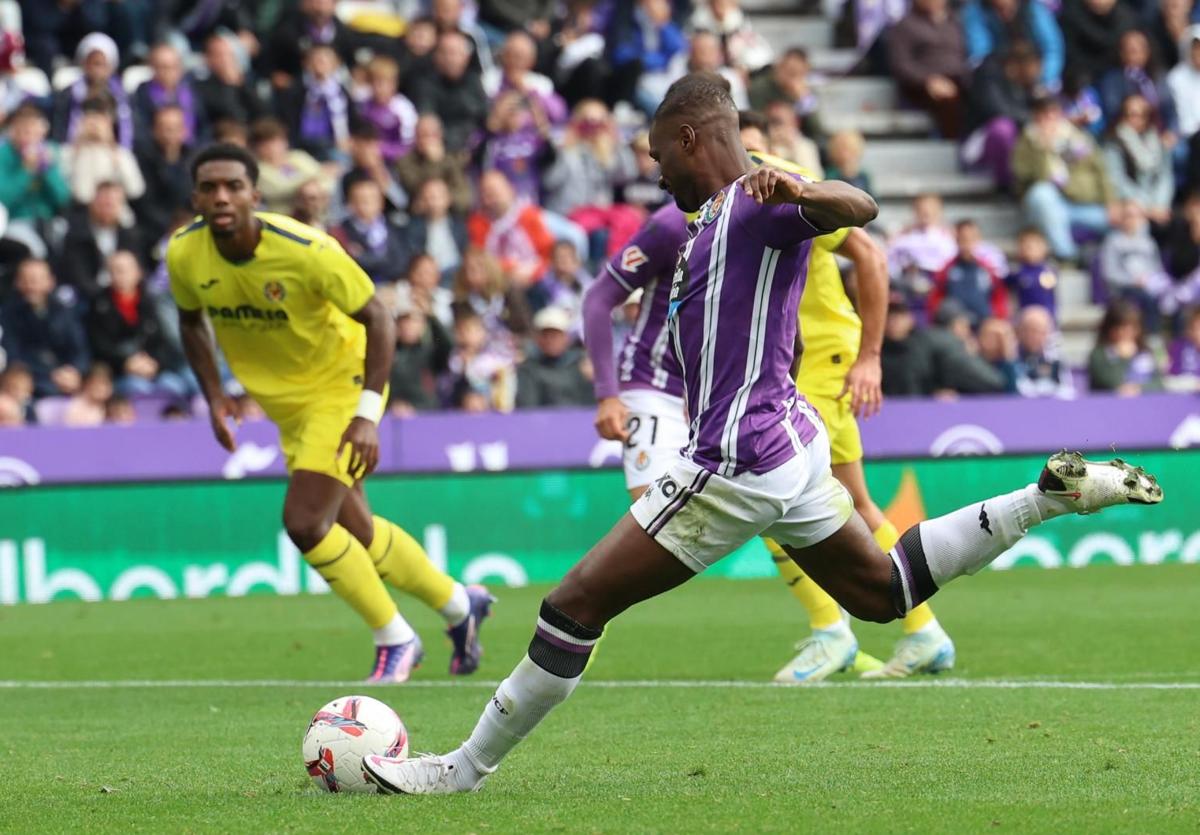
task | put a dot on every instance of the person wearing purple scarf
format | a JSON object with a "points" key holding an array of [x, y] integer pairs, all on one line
{"points": [[317, 108], [169, 86], [1137, 74], [517, 143], [97, 56]]}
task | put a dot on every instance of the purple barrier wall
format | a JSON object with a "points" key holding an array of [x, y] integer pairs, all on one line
{"points": [[185, 450]]}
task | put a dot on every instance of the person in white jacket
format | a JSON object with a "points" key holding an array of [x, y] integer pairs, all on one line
{"points": [[1184, 83], [94, 156]]}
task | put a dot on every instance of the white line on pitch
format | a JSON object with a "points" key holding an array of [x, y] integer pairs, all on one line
{"points": [[936, 684]]}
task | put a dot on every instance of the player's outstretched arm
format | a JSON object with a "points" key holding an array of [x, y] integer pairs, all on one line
{"points": [[362, 435], [831, 204], [201, 351], [599, 301], [864, 382]]}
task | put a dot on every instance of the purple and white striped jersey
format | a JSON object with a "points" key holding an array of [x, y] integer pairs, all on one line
{"points": [[732, 317], [646, 360]]}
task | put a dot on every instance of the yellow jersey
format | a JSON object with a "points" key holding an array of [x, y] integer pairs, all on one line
{"points": [[829, 325], [282, 317]]}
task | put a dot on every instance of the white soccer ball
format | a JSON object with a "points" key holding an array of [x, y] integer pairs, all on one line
{"points": [[345, 731]]}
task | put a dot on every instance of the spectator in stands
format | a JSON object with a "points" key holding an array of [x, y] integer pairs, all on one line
{"points": [[581, 184], [93, 236], [786, 82], [642, 190], [576, 52], [227, 92], [367, 162], [787, 139], [11, 413], [389, 110], [556, 374], [482, 287], [453, 91], [920, 251], [39, 331], [315, 25], [433, 229], [163, 161], [971, 281], [1121, 362], [416, 54], [127, 335], [429, 158], [747, 50], [311, 203], [1184, 352], [927, 53], [1034, 280], [93, 156], [32, 186], [480, 376], [845, 152], [517, 142], [454, 16], [423, 349], [426, 290], [316, 108], [170, 87], [1183, 84], [281, 169], [707, 55], [563, 284], [938, 361], [992, 26], [235, 133], [1139, 164], [1131, 266], [1168, 30], [1039, 371], [16, 382], [89, 406], [515, 15], [1062, 179], [1002, 95], [642, 53], [1137, 74], [515, 73], [380, 248], [97, 56], [119, 411], [1181, 243], [512, 232], [1081, 101], [1092, 30], [51, 28], [998, 347]]}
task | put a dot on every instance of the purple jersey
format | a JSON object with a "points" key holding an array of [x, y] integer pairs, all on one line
{"points": [[734, 300], [646, 360]]}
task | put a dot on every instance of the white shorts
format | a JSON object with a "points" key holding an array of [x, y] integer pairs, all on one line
{"points": [[657, 431], [700, 516]]}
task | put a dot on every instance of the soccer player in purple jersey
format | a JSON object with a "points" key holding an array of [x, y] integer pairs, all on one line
{"points": [[758, 459]]}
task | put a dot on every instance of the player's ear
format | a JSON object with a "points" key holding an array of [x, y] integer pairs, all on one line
{"points": [[687, 139]]}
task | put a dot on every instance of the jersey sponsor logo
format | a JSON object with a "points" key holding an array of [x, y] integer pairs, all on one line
{"points": [[274, 291], [208, 285], [679, 284], [246, 312], [632, 258], [667, 486]]}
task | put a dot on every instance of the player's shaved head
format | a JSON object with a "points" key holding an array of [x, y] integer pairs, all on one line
{"points": [[694, 139]]}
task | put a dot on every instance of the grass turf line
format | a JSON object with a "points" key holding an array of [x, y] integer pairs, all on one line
{"points": [[630, 759]]}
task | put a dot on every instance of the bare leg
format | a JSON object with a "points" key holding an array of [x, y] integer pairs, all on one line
{"points": [[851, 567], [311, 507], [355, 515], [852, 478]]}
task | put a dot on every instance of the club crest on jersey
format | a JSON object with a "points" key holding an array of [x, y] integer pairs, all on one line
{"points": [[713, 208], [274, 291], [632, 258], [642, 461]]}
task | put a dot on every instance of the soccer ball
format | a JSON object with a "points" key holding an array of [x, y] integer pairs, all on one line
{"points": [[345, 731]]}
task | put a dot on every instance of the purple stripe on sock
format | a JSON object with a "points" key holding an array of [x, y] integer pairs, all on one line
{"points": [[909, 582], [561, 644]]}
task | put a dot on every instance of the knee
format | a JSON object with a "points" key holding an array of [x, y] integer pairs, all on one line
{"points": [[305, 529], [1041, 195], [1002, 129], [574, 598], [873, 608]]}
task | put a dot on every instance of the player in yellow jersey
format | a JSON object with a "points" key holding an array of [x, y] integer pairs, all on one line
{"points": [[303, 331], [839, 375]]}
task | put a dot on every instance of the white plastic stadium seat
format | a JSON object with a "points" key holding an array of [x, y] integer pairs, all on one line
{"points": [[347, 10], [33, 81], [65, 76], [134, 75]]}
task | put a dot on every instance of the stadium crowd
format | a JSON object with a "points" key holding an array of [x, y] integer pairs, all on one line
{"points": [[481, 161]]}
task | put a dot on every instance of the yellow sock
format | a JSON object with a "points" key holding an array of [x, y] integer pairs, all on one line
{"points": [[344, 563], [823, 610], [887, 536], [403, 563]]}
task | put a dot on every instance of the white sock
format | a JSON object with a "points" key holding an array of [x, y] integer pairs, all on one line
{"points": [[395, 631], [456, 611], [520, 702]]}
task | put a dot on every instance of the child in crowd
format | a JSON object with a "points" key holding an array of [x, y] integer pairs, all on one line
{"points": [[1035, 279], [562, 285], [1184, 352], [1122, 362], [1131, 265], [480, 378], [845, 152], [390, 111], [970, 279], [88, 407]]}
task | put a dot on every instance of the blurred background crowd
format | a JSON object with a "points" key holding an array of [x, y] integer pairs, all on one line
{"points": [[1037, 167]]}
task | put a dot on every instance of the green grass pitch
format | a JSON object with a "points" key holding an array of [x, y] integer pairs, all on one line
{"points": [[637, 751]]}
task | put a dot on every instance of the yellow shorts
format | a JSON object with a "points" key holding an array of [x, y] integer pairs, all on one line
{"points": [[309, 437], [845, 443]]}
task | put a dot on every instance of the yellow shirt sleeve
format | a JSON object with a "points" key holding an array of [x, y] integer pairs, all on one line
{"points": [[833, 241], [335, 276], [181, 287]]}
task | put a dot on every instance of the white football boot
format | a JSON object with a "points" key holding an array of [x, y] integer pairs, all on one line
{"points": [[1090, 486], [820, 655], [929, 650], [423, 774]]}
